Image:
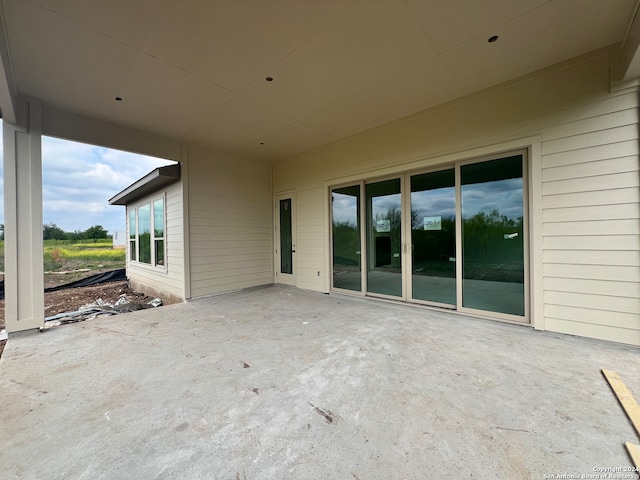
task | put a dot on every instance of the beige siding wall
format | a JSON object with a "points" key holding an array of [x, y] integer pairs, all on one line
{"points": [[591, 214], [310, 237], [169, 282], [584, 186], [229, 223]]}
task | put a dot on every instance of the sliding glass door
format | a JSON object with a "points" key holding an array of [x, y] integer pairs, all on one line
{"points": [[493, 254], [345, 213], [462, 227], [384, 238], [433, 237]]}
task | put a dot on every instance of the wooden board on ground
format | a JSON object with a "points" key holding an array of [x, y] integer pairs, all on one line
{"points": [[625, 398], [634, 453]]}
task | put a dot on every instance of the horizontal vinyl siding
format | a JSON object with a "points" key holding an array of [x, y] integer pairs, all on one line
{"points": [[171, 279], [577, 326], [601, 197], [310, 239], [594, 257], [591, 212], [597, 272], [226, 272], [229, 223], [622, 211], [612, 181], [589, 286], [157, 279], [205, 255], [587, 209], [618, 320], [606, 227], [554, 162], [592, 242], [591, 169]]}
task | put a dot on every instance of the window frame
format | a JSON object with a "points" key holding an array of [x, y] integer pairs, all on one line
{"points": [[154, 238], [134, 259], [132, 242]]}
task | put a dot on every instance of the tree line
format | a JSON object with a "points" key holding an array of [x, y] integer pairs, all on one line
{"points": [[51, 231]]}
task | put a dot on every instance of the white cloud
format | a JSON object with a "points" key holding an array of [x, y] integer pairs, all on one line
{"points": [[345, 208], [502, 195], [78, 180]]}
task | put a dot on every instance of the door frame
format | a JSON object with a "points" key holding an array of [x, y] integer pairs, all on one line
{"points": [[456, 162], [367, 254], [506, 317], [362, 218], [279, 277], [409, 235]]}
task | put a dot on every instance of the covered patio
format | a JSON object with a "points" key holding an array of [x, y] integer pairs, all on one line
{"points": [[277, 382]]}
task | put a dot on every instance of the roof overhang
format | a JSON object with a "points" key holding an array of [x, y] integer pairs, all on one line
{"points": [[147, 185], [629, 55], [270, 80]]}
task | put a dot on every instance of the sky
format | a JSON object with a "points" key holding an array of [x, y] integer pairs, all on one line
{"points": [[78, 181], [502, 195]]}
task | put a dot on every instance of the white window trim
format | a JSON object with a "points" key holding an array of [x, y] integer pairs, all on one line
{"points": [[148, 201]]}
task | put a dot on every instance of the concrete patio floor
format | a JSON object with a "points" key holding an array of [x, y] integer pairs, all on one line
{"points": [[279, 383]]}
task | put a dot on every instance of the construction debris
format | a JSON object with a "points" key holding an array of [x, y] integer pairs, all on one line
{"points": [[96, 309]]}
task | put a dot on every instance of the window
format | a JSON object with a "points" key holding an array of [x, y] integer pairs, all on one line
{"points": [[146, 233], [158, 231], [132, 236]]}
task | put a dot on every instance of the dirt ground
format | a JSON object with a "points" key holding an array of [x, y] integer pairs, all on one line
{"points": [[72, 299]]}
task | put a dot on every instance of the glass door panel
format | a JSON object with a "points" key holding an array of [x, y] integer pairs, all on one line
{"points": [[286, 241], [384, 238], [492, 203], [285, 238], [345, 215], [433, 237]]}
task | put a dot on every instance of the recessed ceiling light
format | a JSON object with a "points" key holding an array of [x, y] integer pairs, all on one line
{"points": [[493, 39], [118, 99], [269, 79]]}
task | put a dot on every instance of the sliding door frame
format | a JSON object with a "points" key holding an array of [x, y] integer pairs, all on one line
{"points": [[408, 235], [362, 219], [525, 319], [530, 154], [403, 241]]}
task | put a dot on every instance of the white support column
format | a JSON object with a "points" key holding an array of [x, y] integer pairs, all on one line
{"points": [[24, 271]]}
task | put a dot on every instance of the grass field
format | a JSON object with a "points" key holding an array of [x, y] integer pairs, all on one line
{"points": [[60, 255]]}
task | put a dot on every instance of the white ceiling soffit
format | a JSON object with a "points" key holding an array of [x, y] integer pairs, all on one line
{"points": [[196, 70]]}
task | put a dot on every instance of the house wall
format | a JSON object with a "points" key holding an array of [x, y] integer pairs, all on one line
{"points": [[167, 283], [229, 222], [227, 199], [582, 134], [120, 239]]}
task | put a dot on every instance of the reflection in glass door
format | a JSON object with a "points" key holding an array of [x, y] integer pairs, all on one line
{"points": [[433, 237], [285, 238], [384, 238], [286, 241], [464, 227], [492, 204], [345, 217]]}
